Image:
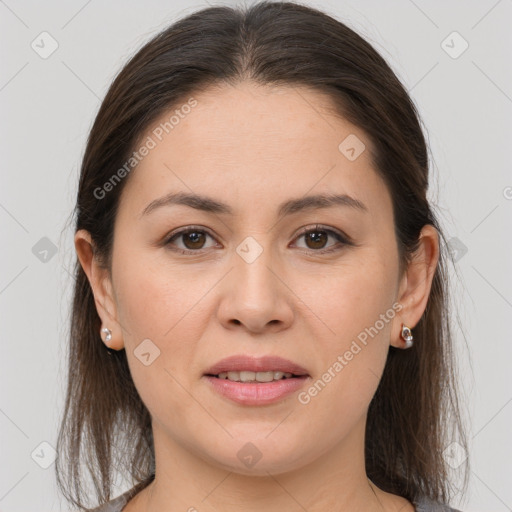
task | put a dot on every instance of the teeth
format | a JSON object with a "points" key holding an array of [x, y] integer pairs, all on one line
{"points": [[245, 376]]}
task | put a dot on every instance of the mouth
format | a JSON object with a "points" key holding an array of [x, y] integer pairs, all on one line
{"points": [[255, 377], [256, 381], [255, 368]]}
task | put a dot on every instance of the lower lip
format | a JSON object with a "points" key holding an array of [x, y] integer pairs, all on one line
{"points": [[252, 393]]}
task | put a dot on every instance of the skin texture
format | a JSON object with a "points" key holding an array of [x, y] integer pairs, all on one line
{"points": [[254, 147]]}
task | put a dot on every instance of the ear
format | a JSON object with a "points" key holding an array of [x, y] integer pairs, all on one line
{"points": [[101, 285], [416, 283]]}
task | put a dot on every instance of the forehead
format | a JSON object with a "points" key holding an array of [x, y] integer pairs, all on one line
{"points": [[251, 141], [269, 120]]}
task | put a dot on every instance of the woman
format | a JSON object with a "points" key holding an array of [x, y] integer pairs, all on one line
{"points": [[260, 317]]}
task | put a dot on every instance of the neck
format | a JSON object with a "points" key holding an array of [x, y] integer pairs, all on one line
{"points": [[335, 481]]}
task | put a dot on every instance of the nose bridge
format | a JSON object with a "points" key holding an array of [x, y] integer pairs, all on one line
{"points": [[253, 261], [254, 295]]}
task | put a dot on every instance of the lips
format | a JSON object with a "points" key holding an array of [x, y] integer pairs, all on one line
{"points": [[244, 363], [256, 381]]}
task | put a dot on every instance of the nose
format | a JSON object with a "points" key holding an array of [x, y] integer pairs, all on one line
{"points": [[255, 295]]}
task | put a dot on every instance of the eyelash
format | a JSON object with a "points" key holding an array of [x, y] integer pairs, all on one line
{"points": [[342, 240]]}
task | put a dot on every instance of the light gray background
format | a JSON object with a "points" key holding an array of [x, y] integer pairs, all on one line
{"points": [[47, 108]]}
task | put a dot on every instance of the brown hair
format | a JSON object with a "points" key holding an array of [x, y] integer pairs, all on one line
{"points": [[415, 413]]}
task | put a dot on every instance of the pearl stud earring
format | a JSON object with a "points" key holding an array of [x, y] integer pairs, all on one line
{"points": [[108, 333]]}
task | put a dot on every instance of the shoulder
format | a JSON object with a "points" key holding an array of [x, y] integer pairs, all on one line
{"points": [[425, 504]]}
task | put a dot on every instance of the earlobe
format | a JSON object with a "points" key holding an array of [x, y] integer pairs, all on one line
{"points": [[100, 282], [416, 285]]}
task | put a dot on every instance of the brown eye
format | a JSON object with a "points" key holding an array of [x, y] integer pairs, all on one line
{"points": [[316, 239], [189, 240], [193, 239]]}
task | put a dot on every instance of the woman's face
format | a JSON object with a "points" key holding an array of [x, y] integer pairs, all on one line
{"points": [[253, 284]]}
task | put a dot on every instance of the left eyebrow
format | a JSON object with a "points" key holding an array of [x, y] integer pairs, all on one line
{"points": [[208, 204]]}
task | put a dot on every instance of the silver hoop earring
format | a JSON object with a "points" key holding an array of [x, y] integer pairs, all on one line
{"points": [[108, 333], [407, 336]]}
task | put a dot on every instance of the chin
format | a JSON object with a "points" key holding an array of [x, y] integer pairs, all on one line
{"points": [[259, 457]]}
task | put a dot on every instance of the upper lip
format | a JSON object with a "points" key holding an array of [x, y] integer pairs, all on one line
{"points": [[238, 363]]}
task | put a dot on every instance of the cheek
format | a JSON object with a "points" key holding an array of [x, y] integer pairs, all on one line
{"points": [[356, 303], [352, 299], [159, 302], [159, 338], [151, 297]]}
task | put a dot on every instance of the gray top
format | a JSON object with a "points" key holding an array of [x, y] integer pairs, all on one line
{"points": [[422, 504]]}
